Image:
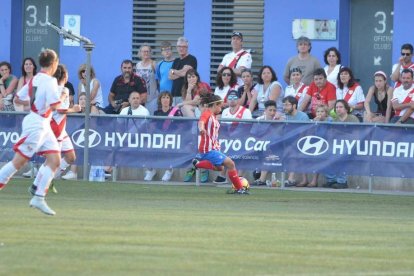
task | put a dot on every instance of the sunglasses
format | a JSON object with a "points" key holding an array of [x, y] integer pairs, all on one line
{"points": [[83, 71], [406, 54], [233, 97], [226, 75]]}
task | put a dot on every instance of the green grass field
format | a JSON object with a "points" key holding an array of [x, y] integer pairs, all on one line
{"points": [[130, 229]]}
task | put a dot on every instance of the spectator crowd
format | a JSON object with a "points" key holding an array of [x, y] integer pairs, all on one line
{"points": [[173, 87]]}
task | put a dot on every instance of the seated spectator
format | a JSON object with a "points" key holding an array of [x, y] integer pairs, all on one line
{"points": [[343, 115], [72, 174], [270, 113], [191, 91], [402, 100], [267, 88], [234, 111], [320, 92], [246, 91], [29, 69], [226, 80], [135, 108], [121, 88], [343, 112], [146, 70], [322, 115], [350, 91], [94, 84], [8, 85], [165, 108], [296, 88], [332, 58], [382, 93], [290, 105]]}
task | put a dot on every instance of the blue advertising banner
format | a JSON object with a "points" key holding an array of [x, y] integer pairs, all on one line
{"points": [[351, 149]]}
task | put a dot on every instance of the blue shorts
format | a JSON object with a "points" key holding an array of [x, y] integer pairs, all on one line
{"points": [[214, 156]]}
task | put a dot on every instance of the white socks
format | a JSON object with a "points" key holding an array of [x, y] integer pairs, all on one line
{"points": [[43, 179], [7, 172]]}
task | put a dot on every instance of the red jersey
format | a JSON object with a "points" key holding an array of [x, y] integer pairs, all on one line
{"points": [[209, 141], [323, 96]]}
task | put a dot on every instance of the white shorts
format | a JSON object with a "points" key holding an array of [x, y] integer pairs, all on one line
{"points": [[66, 144], [37, 137]]}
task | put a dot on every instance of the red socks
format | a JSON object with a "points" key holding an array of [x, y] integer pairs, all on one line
{"points": [[235, 179], [205, 164]]}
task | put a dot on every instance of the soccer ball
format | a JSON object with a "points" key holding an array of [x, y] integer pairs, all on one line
{"points": [[245, 183]]}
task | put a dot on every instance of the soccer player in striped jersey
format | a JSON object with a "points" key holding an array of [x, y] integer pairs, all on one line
{"points": [[209, 156]]}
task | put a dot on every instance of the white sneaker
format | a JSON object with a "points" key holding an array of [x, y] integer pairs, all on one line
{"points": [[29, 174], [40, 203], [167, 175], [149, 174], [70, 176]]}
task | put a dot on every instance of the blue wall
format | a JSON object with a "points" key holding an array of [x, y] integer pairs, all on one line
{"points": [[5, 29], [108, 24], [197, 29], [279, 44], [403, 30]]}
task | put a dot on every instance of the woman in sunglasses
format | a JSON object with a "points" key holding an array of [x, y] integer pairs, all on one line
{"points": [[94, 84], [226, 80]]}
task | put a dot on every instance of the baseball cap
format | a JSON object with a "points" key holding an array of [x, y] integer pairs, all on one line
{"points": [[232, 93], [239, 34]]}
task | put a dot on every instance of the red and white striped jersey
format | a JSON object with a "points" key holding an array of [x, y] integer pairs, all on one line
{"points": [[400, 95], [209, 141], [58, 122], [42, 92]]}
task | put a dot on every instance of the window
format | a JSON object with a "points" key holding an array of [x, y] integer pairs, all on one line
{"points": [[155, 21], [245, 16]]}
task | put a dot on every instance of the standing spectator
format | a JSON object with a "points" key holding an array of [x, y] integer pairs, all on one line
{"points": [[296, 88], [8, 84], [350, 91], [238, 59], [95, 86], [267, 88], [135, 108], [320, 91], [121, 88], [402, 100], [304, 60], [29, 69], [405, 62], [332, 58], [146, 70], [226, 80], [181, 65], [37, 135], [343, 115], [382, 93], [164, 67], [245, 91], [192, 89], [290, 105]]}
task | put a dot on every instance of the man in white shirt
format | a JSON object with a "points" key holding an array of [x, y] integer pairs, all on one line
{"points": [[135, 108], [238, 59], [405, 62], [402, 100]]}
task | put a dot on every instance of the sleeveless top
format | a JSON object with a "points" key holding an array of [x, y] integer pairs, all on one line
{"points": [[147, 73], [381, 105]]}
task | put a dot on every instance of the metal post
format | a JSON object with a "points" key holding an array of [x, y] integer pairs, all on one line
{"points": [[370, 184], [88, 48]]}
